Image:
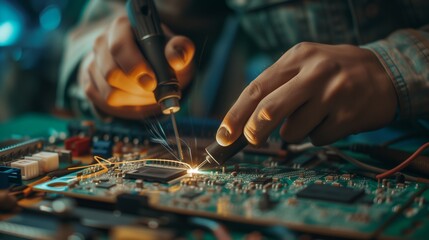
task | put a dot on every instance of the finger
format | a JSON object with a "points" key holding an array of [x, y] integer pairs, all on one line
{"points": [[122, 46], [141, 86], [179, 52], [115, 76], [98, 80], [129, 112], [302, 121], [128, 57], [234, 121], [327, 132], [103, 59], [119, 98], [272, 109]]}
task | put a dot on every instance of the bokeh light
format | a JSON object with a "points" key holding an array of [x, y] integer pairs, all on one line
{"points": [[50, 17], [11, 24]]}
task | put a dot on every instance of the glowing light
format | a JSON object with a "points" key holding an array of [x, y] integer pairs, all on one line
{"points": [[50, 18], [9, 32], [11, 24], [193, 171]]}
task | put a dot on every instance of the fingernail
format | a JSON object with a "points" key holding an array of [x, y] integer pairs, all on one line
{"points": [[223, 136]]}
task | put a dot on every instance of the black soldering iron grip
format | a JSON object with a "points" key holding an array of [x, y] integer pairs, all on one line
{"points": [[221, 154], [151, 40]]}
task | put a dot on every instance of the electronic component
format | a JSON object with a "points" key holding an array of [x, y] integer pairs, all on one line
{"points": [[330, 193], [266, 203], [303, 160], [9, 176], [11, 150], [29, 169], [156, 174], [262, 180], [64, 155], [79, 146], [191, 195], [105, 185], [48, 161], [139, 184], [102, 148]]}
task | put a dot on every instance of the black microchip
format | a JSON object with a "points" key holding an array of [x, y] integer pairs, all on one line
{"points": [[106, 185], [262, 180], [155, 174], [191, 195], [331, 193]]}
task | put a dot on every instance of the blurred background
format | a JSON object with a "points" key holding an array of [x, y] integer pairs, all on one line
{"points": [[32, 34]]}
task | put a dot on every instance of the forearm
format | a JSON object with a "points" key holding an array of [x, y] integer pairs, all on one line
{"points": [[405, 56]]}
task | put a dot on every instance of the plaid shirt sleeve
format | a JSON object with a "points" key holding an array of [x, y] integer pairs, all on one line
{"points": [[405, 56]]}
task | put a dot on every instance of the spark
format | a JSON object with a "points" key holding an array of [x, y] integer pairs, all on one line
{"points": [[193, 171]]}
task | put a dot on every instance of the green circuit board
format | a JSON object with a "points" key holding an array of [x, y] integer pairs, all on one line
{"points": [[328, 198]]}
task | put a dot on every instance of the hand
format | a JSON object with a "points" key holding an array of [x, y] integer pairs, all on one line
{"points": [[322, 91], [116, 77]]}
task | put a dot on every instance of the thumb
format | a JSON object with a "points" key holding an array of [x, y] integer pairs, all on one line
{"points": [[179, 52]]}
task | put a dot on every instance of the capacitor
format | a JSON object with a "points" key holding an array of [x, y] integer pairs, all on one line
{"points": [[139, 184], [265, 202], [318, 181], [384, 183]]}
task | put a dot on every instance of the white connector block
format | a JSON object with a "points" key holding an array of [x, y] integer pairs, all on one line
{"points": [[48, 161], [29, 169]]}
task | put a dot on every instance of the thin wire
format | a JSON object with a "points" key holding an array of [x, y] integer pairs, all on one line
{"points": [[159, 137], [189, 150], [103, 162], [404, 163], [355, 161], [370, 167]]}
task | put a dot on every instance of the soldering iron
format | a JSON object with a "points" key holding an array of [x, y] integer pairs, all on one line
{"points": [[219, 154], [151, 40], [144, 20]]}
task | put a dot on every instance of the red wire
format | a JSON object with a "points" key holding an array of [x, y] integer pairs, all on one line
{"points": [[404, 163]]}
